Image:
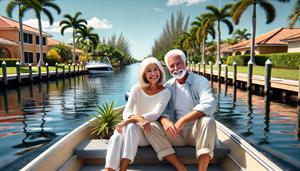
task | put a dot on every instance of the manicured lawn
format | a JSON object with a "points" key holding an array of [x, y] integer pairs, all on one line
{"points": [[260, 70], [12, 70]]}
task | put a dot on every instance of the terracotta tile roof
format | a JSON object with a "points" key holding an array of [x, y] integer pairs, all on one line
{"points": [[53, 42], [7, 23], [4, 41], [292, 37], [224, 47], [273, 37]]}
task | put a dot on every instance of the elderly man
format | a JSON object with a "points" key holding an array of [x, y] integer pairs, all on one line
{"points": [[188, 118]]}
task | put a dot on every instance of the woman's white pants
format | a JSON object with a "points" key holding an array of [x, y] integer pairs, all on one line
{"points": [[124, 145]]}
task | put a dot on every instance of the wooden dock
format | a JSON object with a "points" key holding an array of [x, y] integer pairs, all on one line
{"points": [[277, 83]]}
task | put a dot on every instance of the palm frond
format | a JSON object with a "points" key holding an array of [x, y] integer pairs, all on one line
{"points": [[269, 10]]}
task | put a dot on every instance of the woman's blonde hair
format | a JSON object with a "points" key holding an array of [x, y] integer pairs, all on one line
{"points": [[142, 81]]}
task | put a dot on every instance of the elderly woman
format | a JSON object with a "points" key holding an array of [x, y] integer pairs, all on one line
{"points": [[147, 100]]}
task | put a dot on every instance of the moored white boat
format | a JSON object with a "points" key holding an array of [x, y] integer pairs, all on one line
{"points": [[81, 151], [99, 67]]}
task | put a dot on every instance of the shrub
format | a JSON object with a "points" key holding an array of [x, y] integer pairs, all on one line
{"points": [[10, 62], [285, 60], [105, 120], [240, 60], [53, 55], [64, 52]]}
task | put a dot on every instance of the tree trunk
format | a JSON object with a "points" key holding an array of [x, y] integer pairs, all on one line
{"points": [[203, 51], [253, 35], [73, 58], [22, 60], [41, 61], [218, 44]]}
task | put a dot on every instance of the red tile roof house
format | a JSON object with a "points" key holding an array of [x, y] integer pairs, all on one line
{"points": [[270, 42], [10, 41], [293, 42]]}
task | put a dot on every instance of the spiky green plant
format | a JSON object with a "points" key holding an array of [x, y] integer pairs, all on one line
{"points": [[106, 120]]}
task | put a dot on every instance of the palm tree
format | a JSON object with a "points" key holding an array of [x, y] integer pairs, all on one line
{"points": [[43, 8], [219, 15], [23, 6], [203, 27], [241, 5], [241, 34], [295, 14], [85, 35], [75, 23]]}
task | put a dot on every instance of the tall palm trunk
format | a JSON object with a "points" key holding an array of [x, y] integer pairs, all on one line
{"points": [[41, 61], [218, 44], [253, 34], [73, 58], [203, 51], [21, 38]]}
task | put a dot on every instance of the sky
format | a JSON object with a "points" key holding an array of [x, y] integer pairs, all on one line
{"points": [[142, 21]]}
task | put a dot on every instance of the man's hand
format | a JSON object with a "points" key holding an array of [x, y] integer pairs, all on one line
{"points": [[179, 125], [169, 127], [145, 125]]}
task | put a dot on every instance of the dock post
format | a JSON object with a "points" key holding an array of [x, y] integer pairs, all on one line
{"points": [[211, 72], [249, 81], [56, 70], [203, 68], [219, 71], [268, 68], [64, 70], [30, 73], [69, 65], [4, 73], [199, 68], [226, 74], [78, 73], [234, 80], [47, 71], [74, 72], [40, 72], [18, 70]]}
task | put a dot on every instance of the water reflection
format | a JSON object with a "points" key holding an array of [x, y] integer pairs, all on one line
{"points": [[267, 125]]}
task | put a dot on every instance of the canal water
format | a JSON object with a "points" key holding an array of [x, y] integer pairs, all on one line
{"points": [[33, 117]]}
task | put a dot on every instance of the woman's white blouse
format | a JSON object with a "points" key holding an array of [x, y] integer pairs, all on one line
{"points": [[149, 106]]}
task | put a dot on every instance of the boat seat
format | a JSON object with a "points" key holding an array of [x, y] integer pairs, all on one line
{"points": [[94, 151]]}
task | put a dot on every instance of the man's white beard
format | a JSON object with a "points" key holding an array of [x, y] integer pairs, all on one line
{"points": [[179, 74]]}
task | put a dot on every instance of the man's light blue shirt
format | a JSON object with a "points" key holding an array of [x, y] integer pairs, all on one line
{"points": [[200, 90]]}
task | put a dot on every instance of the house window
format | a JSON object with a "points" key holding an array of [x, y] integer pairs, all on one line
{"points": [[37, 40], [38, 56], [28, 56], [27, 38]]}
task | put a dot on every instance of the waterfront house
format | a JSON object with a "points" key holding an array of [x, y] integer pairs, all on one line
{"points": [[270, 42], [293, 42], [224, 50], [10, 44], [10, 41]]}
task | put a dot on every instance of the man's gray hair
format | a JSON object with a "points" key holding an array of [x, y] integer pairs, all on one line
{"points": [[173, 53]]}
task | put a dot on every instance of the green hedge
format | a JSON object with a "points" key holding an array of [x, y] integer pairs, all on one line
{"points": [[279, 60], [10, 62]]}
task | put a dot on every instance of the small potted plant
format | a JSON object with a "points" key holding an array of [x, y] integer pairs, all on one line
{"points": [[105, 120]]}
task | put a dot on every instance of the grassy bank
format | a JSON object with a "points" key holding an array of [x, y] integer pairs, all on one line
{"points": [[12, 70], [260, 70]]}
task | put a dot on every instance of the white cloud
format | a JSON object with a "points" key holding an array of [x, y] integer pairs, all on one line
{"points": [[55, 28], [158, 9], [96, 23], [187, 2]]}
